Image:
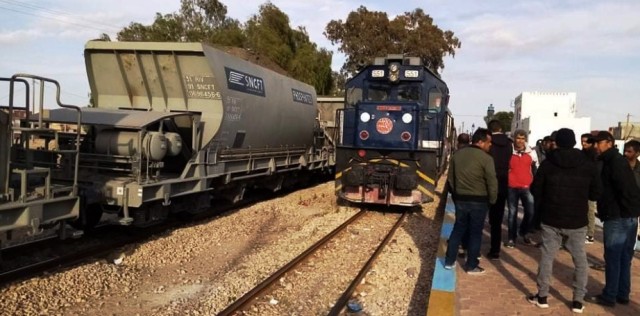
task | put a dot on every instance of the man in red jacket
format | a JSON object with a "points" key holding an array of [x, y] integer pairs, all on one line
{"points": [[521, 166]]}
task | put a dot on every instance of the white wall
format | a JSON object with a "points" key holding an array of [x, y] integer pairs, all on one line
{"points": [[540, 127], [541, 113]]}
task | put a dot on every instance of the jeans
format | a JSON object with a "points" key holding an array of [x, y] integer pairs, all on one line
{"points": [[619, 241], [496, 215], [551, 241], [470, 217], [591, 229], [515, 196]]}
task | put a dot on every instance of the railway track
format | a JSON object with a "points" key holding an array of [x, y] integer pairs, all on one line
{"points": [[51, 254], [344, 299], [62, 254]]}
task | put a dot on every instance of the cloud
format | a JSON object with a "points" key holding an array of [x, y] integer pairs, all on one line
{"points": [[555, 31]]}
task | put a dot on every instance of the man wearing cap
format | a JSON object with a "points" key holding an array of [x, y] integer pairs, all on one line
{"points": [[564, 183], [618, 208]]}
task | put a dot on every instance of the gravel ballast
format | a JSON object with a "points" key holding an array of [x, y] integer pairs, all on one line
{"points": [[202, 268]]}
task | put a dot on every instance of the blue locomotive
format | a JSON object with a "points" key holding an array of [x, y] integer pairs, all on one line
{"points": [[395, 133]]}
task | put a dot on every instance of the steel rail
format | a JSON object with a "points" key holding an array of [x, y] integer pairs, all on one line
{"points": [[344, 298], [244, 300]]}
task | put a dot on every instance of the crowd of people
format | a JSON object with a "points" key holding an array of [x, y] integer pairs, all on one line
{"points": [[562, 190]]}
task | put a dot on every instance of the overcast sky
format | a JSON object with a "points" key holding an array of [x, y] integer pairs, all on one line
{"points": [[588, 47]]}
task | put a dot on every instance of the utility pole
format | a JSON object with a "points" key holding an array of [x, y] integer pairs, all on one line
{"points": [[626, 129]]}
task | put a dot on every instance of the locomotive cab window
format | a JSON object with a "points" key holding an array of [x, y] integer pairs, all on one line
{"points": [[409, 92], [435, 101], [354, 95], [377, 92]]}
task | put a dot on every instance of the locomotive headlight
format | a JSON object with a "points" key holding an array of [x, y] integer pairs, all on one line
{"points": [[365, 117], [407, 118], [394, 72]]}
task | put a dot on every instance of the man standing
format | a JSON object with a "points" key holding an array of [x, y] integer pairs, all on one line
{"points": [[521, 166], [632, 152], [463, 140], [618, 208], [564, 183], [586, 140], [501, 148], [472, 180]]}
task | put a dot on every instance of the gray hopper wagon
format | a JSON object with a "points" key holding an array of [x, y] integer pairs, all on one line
{"points": [[174, 125]]}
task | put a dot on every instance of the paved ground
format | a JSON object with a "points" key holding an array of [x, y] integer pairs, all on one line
{"points": [[502, 290]]}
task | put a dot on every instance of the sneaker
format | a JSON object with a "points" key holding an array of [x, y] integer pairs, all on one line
{"points": [[510, 244], [577, 307], [450, 266], [493, 256], [476, 271], [540, 301], [589, 240], [623, 301], [598, 299]]}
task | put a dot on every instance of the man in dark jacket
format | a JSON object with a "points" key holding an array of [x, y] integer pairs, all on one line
{"points": [[564, 183], [472, 181], [618, 208], [501, 149], [587, 142]]}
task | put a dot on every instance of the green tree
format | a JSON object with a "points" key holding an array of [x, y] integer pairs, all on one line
{"points": [[266, 33], [505, 119], [367, 34]]}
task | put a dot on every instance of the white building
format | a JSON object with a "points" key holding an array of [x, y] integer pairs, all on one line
{"points": [[541, 113]]}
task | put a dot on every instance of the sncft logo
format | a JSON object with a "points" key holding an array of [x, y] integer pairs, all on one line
{"points": [[243, 82]]}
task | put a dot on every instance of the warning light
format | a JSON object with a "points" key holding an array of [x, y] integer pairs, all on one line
{"points": [[362, 153]]}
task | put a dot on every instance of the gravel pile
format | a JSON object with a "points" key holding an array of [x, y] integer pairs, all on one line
{"points": [[201, 269]]}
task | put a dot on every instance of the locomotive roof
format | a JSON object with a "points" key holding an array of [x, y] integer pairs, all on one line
{"points": [[117, 118]]}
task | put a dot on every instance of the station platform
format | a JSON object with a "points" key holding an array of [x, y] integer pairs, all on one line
{"points": [[503, 289]]}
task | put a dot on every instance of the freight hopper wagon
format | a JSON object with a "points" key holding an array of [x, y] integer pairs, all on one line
{"points": [[174, 125], [395, 133]]}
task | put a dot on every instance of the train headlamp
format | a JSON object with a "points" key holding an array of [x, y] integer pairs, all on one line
{"points": [[365, 117], [407, 118], [394, 72]]}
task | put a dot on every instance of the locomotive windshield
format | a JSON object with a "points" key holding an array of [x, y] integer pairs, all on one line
{"points": [[386, 92], [378, 92]]}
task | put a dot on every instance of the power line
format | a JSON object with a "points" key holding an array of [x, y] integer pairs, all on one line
{"points": [[56, 12], [52, 11], [47, 16]]}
